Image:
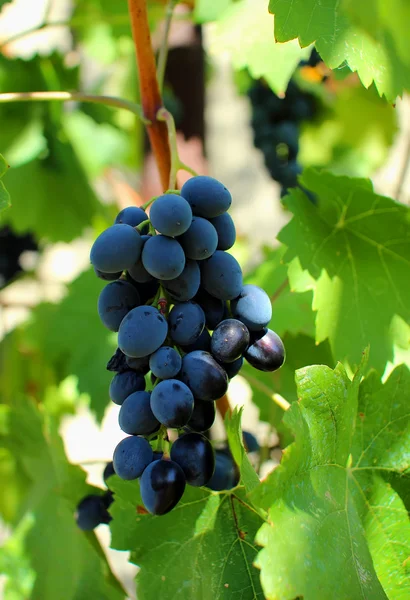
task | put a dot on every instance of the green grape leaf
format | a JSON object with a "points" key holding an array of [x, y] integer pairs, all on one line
{"points": [[245, 30], [4, 195], [330, 501], [352, 135], [355, 246], [53, 197], [385, 21], [61, 340], [204, 548], [292, 312], [301, 350], [233, 427], [339, 40], [68, 563]]}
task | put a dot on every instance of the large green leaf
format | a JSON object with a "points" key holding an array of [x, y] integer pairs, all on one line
{"points": [[245, 30], [61, 340], [338, 40], [68, 563], [355, 246], [204, 548], [335, 523]]}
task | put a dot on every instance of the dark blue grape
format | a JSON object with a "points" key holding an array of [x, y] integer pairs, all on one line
{"points": [[185, 286], [108, 471], [172, 403], [115, 301], [162, 486], [116, 249], [202, 343], [250, 442], [107, 276], [195, 455], [229, 340], [158, 455], [171, 215], [186, 323], [117, 362], [225, 475], [204, 376], [124, 384], [222, 276], [203, 416], [253, 307], [165, 363], [201, 239], [163, 257], [140, 365], [131, 456], [147, 291], [133, 215], [233, 368], [135, 416], [138, 272], [142, 331], [207, 196], [225, 228], [91, 512], [266, 351], [213, 308]]}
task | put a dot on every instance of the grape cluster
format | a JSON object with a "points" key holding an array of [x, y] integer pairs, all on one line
{"points": [[185, 324], [92, 510], [276, 123]]}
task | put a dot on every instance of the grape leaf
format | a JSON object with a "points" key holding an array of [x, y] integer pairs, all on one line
{"points": [[234, 434], [329, 502], [69, 564], [245, 30], [355, 246], [209, 10], [385, 21], [292, 312], [4, 195], [66, 338], [202, 549], [338, 39]]}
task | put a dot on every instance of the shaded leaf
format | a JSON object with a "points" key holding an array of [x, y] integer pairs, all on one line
{"points": [[234, 432], [202, 549]]}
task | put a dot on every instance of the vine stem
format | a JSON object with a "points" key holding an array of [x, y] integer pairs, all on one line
{"points": [[163, 52], [276, 398], [164, 115], [76, 97], [150, 93], [223, 406]]}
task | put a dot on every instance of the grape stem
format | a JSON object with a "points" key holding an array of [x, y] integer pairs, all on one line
{"points": [[163, 52], [176, 164], [74, 97], [276, 398], [141, 226]]}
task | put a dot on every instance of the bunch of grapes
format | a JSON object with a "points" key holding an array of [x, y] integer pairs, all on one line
{"points": [[276, 122], [185, 324]]}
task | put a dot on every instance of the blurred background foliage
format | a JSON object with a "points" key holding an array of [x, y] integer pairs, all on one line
{"points": [[72, 167]]}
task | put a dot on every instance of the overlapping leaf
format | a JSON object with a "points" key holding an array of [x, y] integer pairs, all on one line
{"points": [[245, 30], [355, 246], [339, 39], [203, 549], [67, 562], [335, 522]]}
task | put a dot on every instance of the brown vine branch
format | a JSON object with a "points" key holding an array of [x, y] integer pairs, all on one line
{"points": [[223, 406], [150, 95]]}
